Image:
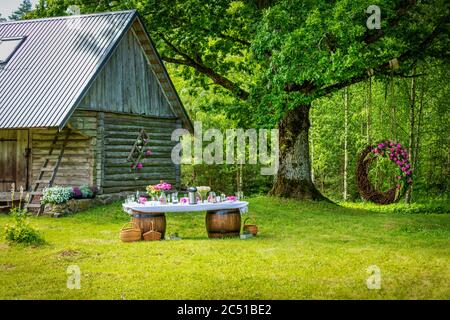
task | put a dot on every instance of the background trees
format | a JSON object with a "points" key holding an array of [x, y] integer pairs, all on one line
{"points": [[268, 63]]}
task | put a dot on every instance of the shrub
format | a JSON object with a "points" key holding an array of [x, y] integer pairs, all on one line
{"points": [[86, 191], [56, 195], [21, 231]]}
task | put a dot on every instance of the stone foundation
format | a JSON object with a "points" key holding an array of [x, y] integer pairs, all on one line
{"points": [[76, 205]]}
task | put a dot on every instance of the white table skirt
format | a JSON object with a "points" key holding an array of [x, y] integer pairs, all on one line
{"points": [[182, 207]]}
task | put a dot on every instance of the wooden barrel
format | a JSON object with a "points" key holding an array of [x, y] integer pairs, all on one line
{"points": [[223, 223], [144, 221]]}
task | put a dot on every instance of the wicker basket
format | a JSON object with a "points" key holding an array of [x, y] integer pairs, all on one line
{"points": [[250, 228], [130, 232], [152, 235]]}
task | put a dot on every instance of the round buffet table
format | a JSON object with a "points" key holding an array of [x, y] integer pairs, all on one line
{"points": [[223, 219]]}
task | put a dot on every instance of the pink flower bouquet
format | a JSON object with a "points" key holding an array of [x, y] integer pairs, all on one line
{"points": [[154, 190]]}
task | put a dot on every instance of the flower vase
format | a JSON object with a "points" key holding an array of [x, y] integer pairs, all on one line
{"points": [[163, 198]]}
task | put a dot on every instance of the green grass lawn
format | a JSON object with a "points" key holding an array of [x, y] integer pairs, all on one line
{"points": [[304, 251]]}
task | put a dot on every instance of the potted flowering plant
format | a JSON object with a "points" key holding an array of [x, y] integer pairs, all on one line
{"points": [[157, 190]]}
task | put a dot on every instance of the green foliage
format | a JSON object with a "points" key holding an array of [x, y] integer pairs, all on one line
{"points": [[20, 230], [313, 45], [57, 195], [430, 207], [86, 191]]}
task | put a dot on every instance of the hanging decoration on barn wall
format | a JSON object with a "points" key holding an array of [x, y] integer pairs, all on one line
{"points": [[138, 152], [398, 155]]}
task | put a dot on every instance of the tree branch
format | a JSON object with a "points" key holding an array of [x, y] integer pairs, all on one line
{"points": [[228, 37], [407, 54], [207, 71], [309, 88]]}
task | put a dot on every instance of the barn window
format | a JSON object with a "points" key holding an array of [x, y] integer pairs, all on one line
{"points": [[8, 46]]}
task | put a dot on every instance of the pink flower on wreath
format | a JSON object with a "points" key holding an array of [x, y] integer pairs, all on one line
{"points": [[375, 150], [399, 177], [398, 162], [399, 186], [408, 172], [404, 169], [380, 146], [148, 153], [139, 165], [399, 146]]}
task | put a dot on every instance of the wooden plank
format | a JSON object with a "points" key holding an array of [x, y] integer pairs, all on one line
{"points": [[33, 205], [111, 162], [145, 169], [21, 161], [8, 159], [129, 142]]}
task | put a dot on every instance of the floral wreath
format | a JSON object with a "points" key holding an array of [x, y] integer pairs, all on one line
{"points": [[397, 154]]}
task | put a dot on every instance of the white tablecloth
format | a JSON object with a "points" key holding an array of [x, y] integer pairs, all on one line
{"points": [[152, 207]]}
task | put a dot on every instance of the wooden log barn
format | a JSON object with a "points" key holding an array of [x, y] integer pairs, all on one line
{"points": [[75, 92]]}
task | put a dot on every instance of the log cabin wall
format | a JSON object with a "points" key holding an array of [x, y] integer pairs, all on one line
{"points": [[77, 165], [98, 147], [120, 133]]}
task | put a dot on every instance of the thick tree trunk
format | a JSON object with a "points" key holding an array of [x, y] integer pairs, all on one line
{"points": [[294, 175]]}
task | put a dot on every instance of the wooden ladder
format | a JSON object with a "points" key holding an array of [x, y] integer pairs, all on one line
{"points": [[40, 182]]}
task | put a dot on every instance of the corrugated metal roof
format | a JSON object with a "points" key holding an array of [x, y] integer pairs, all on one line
{"points": [[42, 82]]}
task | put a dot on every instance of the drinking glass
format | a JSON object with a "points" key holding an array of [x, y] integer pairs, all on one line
{"points": [[175, 197], [212, 197]]}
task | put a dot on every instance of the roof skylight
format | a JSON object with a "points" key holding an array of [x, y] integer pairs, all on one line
{"points": [[8, 46]]}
